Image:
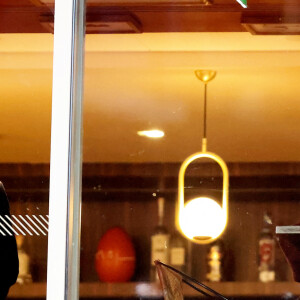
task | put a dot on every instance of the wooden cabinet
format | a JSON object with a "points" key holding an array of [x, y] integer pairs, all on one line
{"points": [[124, 195]]}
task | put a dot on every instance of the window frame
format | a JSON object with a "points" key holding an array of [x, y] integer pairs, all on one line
{"points": [[66, 152]]}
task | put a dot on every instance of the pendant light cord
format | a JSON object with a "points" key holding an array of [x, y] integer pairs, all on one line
{"points": [[205, 111], [204, 140]]}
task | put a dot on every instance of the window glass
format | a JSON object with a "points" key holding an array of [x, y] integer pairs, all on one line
{"points": [[145, 80], [26, 83]]}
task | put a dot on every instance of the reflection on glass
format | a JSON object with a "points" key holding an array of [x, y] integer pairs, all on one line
{"points": [[26, 83], [147, 81]]}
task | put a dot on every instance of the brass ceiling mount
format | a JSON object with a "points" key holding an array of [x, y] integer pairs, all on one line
{"points": [[205, 75]]}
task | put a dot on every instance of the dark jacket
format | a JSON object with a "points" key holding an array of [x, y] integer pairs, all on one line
{"points": [[9, 262]]}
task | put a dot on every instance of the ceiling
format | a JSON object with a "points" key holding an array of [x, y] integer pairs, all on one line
{"points": [[145, 81], [36, 16]]}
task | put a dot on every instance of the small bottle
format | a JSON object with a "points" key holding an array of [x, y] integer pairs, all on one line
{"points": [[178, 251], [24, 262], [266, 251], [215, 258], [159, 241]]}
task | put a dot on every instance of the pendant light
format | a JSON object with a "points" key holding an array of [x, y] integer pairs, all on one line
{"points": [[202, 220]]}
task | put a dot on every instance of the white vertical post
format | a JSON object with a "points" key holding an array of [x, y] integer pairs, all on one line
{"points": [[65, 164]]}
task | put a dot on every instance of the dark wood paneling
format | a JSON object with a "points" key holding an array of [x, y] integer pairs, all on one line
{"points": [[21, 22], [156, 169], [177, 16], [204, 169], [241, 236], [123, 195], [24, 170], [16, 3]]}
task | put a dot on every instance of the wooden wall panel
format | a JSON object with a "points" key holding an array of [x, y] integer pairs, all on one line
{"points": [[124, 197], [241, 236], [155, 16], [157, 170]]}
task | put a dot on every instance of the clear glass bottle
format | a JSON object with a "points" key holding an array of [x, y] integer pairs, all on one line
{"points": [[215, 261], [178, 251], [266, 251], [159, 241], [24, 262]]}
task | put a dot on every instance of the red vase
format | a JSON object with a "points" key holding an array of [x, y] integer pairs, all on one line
{"points": [[115, 257]]}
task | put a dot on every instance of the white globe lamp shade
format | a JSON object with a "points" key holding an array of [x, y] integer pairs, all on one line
{"points": [[202, 219]]}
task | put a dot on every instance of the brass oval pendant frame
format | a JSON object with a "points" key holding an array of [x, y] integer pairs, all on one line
{"points": [[180, 202]]}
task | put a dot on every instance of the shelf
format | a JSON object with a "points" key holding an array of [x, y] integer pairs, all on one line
{"points": [[146, 289], [27, 291]]}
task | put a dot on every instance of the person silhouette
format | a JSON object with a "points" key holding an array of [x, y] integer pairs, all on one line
{"points": [[9, 262]]}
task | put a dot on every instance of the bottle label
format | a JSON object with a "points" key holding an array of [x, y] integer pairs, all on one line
{"points": [[267, 258], [266, 252], [159, 248], [177, 256]]}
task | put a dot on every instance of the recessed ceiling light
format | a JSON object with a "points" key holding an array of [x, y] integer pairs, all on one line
{"points": [[151, 133]]}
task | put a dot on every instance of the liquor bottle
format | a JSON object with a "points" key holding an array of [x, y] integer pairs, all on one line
{"points": [[266, 251], [24, 262], [178, 251], [215, 259], [159, 241]]}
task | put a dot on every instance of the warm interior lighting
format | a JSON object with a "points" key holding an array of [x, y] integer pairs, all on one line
{"points": [[151, 133], [202, 220]]}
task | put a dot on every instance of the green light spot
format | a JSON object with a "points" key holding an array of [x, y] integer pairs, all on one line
{"points": [[243, 3]]}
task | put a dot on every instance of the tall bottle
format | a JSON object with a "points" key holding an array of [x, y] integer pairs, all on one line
{"points": [[159, 241], [266, 251], [215, 261], [24, 262], [178, 251]]}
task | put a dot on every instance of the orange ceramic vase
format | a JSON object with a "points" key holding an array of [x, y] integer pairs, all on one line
{"points": [[115, 257]]}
